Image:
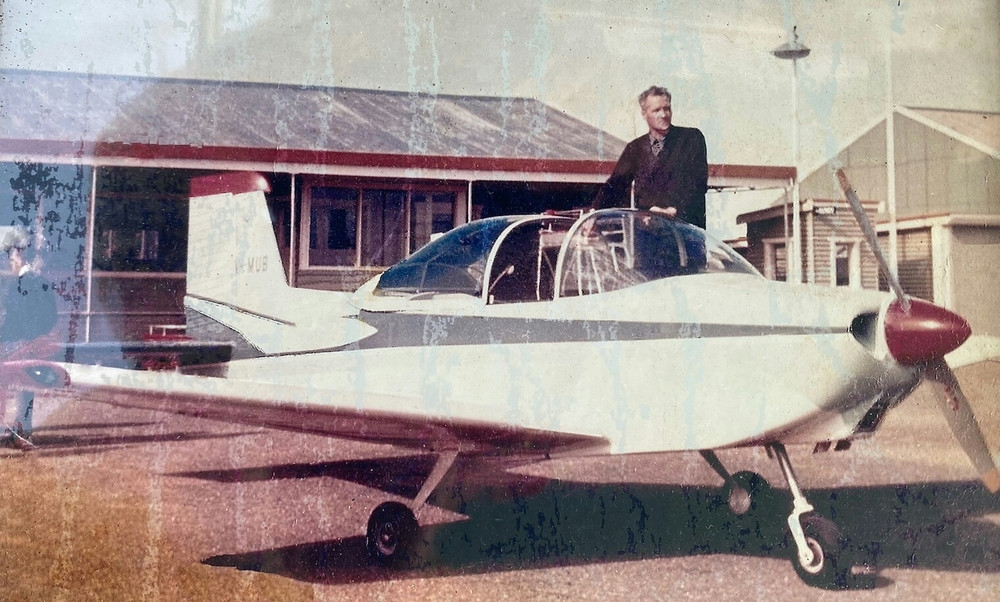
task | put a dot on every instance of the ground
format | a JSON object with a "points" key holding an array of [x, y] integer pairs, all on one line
{"points": [[128, 504]]}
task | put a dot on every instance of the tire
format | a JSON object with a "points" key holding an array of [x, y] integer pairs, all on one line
{"points": [[391, 533], [761, 494], [832, 561], [757, 518]]}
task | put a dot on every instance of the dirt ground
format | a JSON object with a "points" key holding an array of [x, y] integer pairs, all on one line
{"points": [[126, 505]]}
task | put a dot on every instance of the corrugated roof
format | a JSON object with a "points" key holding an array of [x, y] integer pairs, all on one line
{"points": [[48, 106]]}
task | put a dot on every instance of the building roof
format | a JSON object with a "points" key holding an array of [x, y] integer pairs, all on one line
{"points": [[807, 206], [87, 108], [164, 122], [980, 126]]}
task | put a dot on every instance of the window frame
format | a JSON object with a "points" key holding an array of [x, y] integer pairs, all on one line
{"points": [[853, 246], [771, 246], [363, 187]]}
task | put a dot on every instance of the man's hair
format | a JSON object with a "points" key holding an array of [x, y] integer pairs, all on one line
{"points": [[653, 91]]}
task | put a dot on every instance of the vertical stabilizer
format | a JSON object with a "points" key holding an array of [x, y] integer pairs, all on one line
{"points": [[236, 279], [232, 252]]}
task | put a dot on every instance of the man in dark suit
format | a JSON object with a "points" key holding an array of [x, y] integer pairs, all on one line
{"points": [[668, 165]]}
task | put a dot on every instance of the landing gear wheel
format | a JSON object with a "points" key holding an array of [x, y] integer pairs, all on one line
{"points": [[831, 563], [751, 493], [753, 502], [392, 529]]}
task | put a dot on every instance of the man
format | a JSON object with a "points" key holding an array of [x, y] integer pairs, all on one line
{"points": [[30, 306], [669, 166]]}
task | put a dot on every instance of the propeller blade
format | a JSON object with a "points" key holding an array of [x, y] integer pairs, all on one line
{"points": [[872, 238], [962, 421]]}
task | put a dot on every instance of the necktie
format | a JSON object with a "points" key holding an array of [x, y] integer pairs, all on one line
{"points": [[656, 145]]}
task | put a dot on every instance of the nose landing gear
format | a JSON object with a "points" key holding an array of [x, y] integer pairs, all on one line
{"points": [[822, 554]]}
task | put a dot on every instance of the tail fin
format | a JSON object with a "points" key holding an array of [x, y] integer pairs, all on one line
{"points": [[236, 278], [232, 252]]}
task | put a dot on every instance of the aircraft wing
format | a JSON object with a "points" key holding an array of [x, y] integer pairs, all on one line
{"points": [[305, 409]]}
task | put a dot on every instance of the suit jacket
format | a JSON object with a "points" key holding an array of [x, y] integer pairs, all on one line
{"points": [[676, 177]]}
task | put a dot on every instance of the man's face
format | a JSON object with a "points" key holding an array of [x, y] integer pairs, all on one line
{"points": [[657, 113]]}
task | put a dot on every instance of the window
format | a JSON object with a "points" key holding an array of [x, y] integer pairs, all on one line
{"points": [[140, 235], [431, 213], [383, 227], [333, 218], [845, 263], [613, 250], [775, 262], [454, 263], [137, 245], [358, 226]]}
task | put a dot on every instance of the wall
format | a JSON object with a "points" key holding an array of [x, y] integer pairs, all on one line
{"points": [[975, 276], [937, 174], [842, 227]]}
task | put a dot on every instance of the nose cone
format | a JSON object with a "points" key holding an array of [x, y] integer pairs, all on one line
{"points": [[925, 332]]}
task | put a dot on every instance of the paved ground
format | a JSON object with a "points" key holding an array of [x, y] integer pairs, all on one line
{"points": [[127, 504]]}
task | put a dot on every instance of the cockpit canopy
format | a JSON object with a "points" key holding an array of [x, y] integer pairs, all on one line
{"points": [[540, 258]]}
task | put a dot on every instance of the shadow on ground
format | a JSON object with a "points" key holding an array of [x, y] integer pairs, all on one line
{"points": [[518, 522]]}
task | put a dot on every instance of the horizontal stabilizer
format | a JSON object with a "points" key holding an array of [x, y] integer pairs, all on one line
{"points": [[273, 336]]}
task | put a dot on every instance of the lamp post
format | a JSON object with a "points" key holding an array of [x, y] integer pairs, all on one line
{"points": [[794, 51]]}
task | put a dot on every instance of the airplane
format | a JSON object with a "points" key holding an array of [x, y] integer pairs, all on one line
{"points": [[524, 338]]}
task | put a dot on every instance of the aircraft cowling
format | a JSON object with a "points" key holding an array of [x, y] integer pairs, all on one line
{"points": [[923, 333]]}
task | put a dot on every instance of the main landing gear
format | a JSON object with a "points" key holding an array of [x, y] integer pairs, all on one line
{"points": [[391, 536], [822, 553]]}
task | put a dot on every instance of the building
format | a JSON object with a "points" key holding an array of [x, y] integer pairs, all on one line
{"points": [[834, 251], [360, 178], [938, 215]]}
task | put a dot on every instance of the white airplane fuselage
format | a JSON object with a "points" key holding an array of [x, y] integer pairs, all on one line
{"points": [[697, 362], [697, 377]]}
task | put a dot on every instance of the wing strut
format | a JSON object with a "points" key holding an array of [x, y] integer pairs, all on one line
{"points": [[445, 461]]}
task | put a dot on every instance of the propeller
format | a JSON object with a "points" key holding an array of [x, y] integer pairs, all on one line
{"points": [[919, 333]]}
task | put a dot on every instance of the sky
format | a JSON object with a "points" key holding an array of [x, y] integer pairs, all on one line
{"points": [[589, 58]]}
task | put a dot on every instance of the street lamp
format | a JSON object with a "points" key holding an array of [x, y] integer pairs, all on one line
{"points": [[794, 51]]}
